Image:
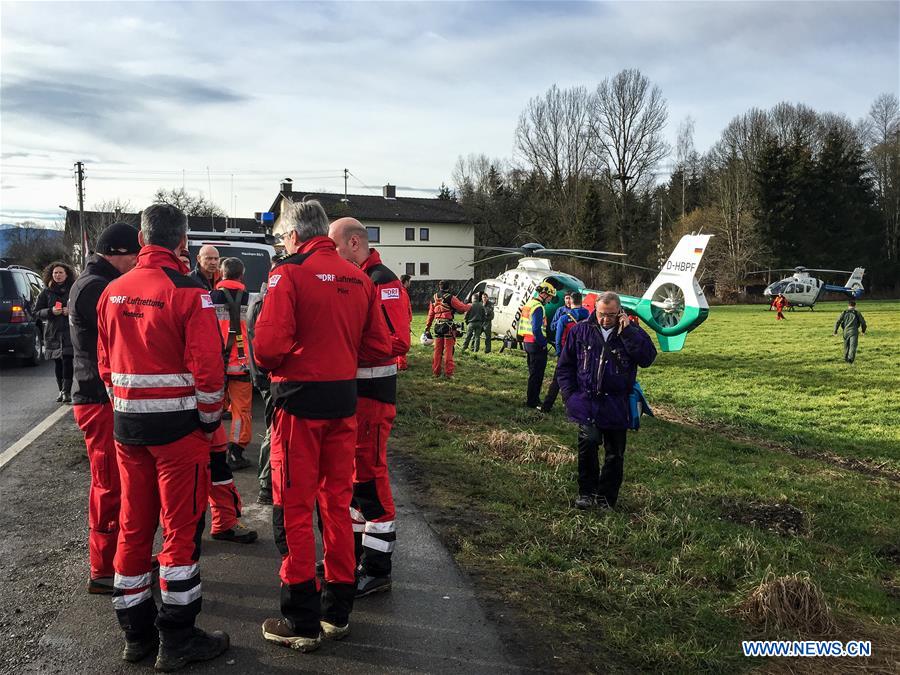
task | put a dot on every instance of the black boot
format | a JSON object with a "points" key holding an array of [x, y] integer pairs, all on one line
{"points": [[67, 391], [140, 648], [181, 647], [235, 457]]}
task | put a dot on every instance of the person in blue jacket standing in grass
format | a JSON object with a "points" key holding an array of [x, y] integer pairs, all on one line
{"points": [[596, 372]]}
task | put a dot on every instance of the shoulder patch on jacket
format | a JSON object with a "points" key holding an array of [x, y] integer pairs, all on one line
{"points": [[381, 274], [390, 293], [180, 280], [206, 301], [295, 259]]}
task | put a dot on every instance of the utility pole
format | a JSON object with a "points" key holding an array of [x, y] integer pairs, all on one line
{"points": [[79, 177], [346, 174]]}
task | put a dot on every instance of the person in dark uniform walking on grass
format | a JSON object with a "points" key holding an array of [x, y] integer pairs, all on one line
{"points": [[851, 321]]}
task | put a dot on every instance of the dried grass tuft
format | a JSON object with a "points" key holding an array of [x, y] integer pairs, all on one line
{"points": [[521, 446], [791, 602]]}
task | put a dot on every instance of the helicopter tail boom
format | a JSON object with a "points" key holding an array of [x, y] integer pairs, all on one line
{"points": [[674, 303]]}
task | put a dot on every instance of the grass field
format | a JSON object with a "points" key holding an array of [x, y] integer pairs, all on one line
{"points": [[750, 481]]}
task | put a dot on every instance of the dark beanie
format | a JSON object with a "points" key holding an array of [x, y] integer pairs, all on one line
{"points": [[118, 239]]}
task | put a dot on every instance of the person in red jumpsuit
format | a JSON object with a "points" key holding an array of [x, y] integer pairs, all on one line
{"points": [[441, 311], [373, 509], [159, 356], [780, 303], [321, 318], [115, 254]]}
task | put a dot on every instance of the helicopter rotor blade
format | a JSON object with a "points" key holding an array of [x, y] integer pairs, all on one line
{"points": [[772, 270], [613, 262], [810, 269], [493, 257], [580, 250]]}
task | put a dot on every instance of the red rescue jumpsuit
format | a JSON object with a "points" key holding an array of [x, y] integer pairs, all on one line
{"points": [[321, 317], [440, 313], [94, 416], [159, 355], [376, 383]]}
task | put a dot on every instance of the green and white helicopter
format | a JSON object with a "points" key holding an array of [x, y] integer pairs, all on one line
{"points": [[672, 306]]}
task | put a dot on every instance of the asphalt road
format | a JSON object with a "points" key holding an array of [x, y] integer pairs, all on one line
{"points": [[27, 396], [431, 622]]}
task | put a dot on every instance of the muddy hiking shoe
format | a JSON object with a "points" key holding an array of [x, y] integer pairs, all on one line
{"points": [[281, 633], [179, 648], [265, 496], [584, 502], [239, 534], [332, 631], [141, 648]]}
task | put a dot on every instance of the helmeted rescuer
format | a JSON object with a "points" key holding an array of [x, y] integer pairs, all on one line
{"points": [[531, 330], [320, 319], [159, 355], [372, 508], [850, 322], [115, 254], [406, 282], [596, 373], [231, 299], [444, 306]]}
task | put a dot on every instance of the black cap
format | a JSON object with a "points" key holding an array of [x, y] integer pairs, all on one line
{"points": [[118, 239]]}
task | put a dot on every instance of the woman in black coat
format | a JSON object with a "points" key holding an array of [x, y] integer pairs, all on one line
{"points": [[53, 309]]}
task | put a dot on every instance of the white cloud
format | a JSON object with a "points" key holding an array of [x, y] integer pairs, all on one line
{"points": [[389, 90]]}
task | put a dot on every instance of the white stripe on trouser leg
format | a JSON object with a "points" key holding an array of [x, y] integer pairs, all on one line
{"points": [[126, 601], [223, 482], [377, 544], [179, 572], [128, 583], [356, 515], [181, 597], [236, 434], [359, 527], [380, 528]]}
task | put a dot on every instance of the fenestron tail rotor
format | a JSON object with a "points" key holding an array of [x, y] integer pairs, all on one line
{"points": [[667, 305]]}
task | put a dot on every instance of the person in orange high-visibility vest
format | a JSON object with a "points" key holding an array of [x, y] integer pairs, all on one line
{"points": [[780, 303]]}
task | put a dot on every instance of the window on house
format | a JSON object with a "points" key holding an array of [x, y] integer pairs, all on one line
{"points": [[423, 269], [410, 234], [411, 269], [423, 234], [374, 234]]}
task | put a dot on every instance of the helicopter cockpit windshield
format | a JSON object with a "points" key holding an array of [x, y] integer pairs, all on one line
{"points": [[777, 287]]}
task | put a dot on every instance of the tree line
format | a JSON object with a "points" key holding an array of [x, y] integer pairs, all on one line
{"points": [[781, 187]]}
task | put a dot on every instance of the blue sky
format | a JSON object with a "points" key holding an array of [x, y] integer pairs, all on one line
{"points": [[392, 91]]}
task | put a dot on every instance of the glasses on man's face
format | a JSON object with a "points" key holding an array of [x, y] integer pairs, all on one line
{"points": [[608, 315]]}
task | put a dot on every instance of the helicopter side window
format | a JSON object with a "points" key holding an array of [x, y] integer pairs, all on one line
{"points": [[493, 293], [507, 296]]}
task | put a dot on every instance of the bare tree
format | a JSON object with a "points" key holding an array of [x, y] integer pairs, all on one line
{"points": [[553, 137], [627, 122], [192, 205], [684, 151], [106, 213], [884, 155]]}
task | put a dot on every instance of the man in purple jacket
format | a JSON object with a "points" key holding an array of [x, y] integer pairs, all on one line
{"points": [[596, 373]]}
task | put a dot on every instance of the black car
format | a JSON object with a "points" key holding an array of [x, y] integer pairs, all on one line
{"points": [[21, 334]]}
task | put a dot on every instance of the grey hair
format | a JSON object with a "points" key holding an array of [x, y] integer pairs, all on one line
{"points": [[307, 219], [163, 225], [232, 268], [607, 297]]}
